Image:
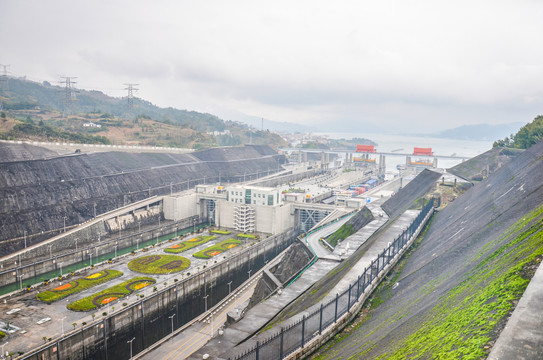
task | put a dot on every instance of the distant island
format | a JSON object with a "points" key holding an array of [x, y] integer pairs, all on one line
{"points": [[482, 132]]}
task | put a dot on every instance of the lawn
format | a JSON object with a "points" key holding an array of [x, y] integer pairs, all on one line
{"points": [[217, 249], [159, 264], [77, 285], [113, 293], [189, 244]]}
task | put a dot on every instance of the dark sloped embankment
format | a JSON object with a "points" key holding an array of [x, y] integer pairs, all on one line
{"points": [[406, 197], [451, 296], [36, 195], [479, 167]]}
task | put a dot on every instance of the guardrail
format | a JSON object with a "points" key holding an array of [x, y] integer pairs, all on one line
{"points": [[321, 320]]}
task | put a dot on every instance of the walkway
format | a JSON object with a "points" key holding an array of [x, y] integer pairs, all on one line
{"points": [[522, 337]]}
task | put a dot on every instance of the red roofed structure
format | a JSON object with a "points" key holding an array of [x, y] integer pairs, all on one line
{"points": [[423, 151], [365, 148]]}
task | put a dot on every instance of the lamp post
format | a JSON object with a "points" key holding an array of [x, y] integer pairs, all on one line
{"points": [[50, 252], [21, 281], [130, 341], [76, 243], [65, 223], [3, 353], [25, 239], [171, 318], [63, 325]]}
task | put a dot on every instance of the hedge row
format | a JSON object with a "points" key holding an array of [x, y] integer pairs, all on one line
{"points": [[221, 232], [250, 236]]}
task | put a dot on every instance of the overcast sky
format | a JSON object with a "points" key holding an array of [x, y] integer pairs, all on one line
{"points": [[402, 66]]}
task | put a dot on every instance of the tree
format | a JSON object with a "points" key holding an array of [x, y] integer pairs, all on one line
{"points": [[527, 136]]}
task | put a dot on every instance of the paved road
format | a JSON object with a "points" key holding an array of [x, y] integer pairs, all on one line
{"points": [[313, 238]]}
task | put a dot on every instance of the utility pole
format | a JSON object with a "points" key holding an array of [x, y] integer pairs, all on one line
{"points": [[130, 98], [3, 85], [68, 93]]}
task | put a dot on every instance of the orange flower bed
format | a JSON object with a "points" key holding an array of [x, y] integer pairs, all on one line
{"points": [[195, 239], [64, 287], [109, 299], [141, 286], [174, 246]]}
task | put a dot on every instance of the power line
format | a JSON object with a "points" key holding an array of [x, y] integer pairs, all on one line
{"points": [[3, 85], [68, 93], [130, 98]]}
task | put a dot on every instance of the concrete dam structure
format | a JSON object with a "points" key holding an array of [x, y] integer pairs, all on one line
{"points": [[43, 195]]}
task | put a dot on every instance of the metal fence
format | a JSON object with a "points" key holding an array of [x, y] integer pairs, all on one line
{"points": [[296, 335]]}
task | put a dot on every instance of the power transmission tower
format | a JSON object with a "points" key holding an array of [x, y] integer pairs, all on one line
{"points": [[3, 85], [130, 98], [68, 93]]}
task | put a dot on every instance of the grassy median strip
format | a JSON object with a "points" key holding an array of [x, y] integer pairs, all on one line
{"points": [[189, 244], [217, 249], [77, 285], [111, 294]]}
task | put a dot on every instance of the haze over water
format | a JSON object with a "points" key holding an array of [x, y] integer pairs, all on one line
{"points": [[440, 146]]}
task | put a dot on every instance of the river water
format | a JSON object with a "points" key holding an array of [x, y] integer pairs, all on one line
{"points": [[405, 144]]}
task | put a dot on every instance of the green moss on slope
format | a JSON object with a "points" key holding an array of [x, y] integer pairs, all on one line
{"points": [[464, 321]]}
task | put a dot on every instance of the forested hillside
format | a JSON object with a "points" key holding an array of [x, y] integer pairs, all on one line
{"points": [[34, 111]]}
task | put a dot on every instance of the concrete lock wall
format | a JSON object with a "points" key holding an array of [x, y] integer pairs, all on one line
{"points": [[148, 320], [87, 247], [180, 207]]}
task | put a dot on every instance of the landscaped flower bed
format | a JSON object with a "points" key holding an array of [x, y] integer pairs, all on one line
{"points": [[217, 249], [221, 232], [113, 293], [249, 236], [77, 285], [159, 264], [189, 244]]}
